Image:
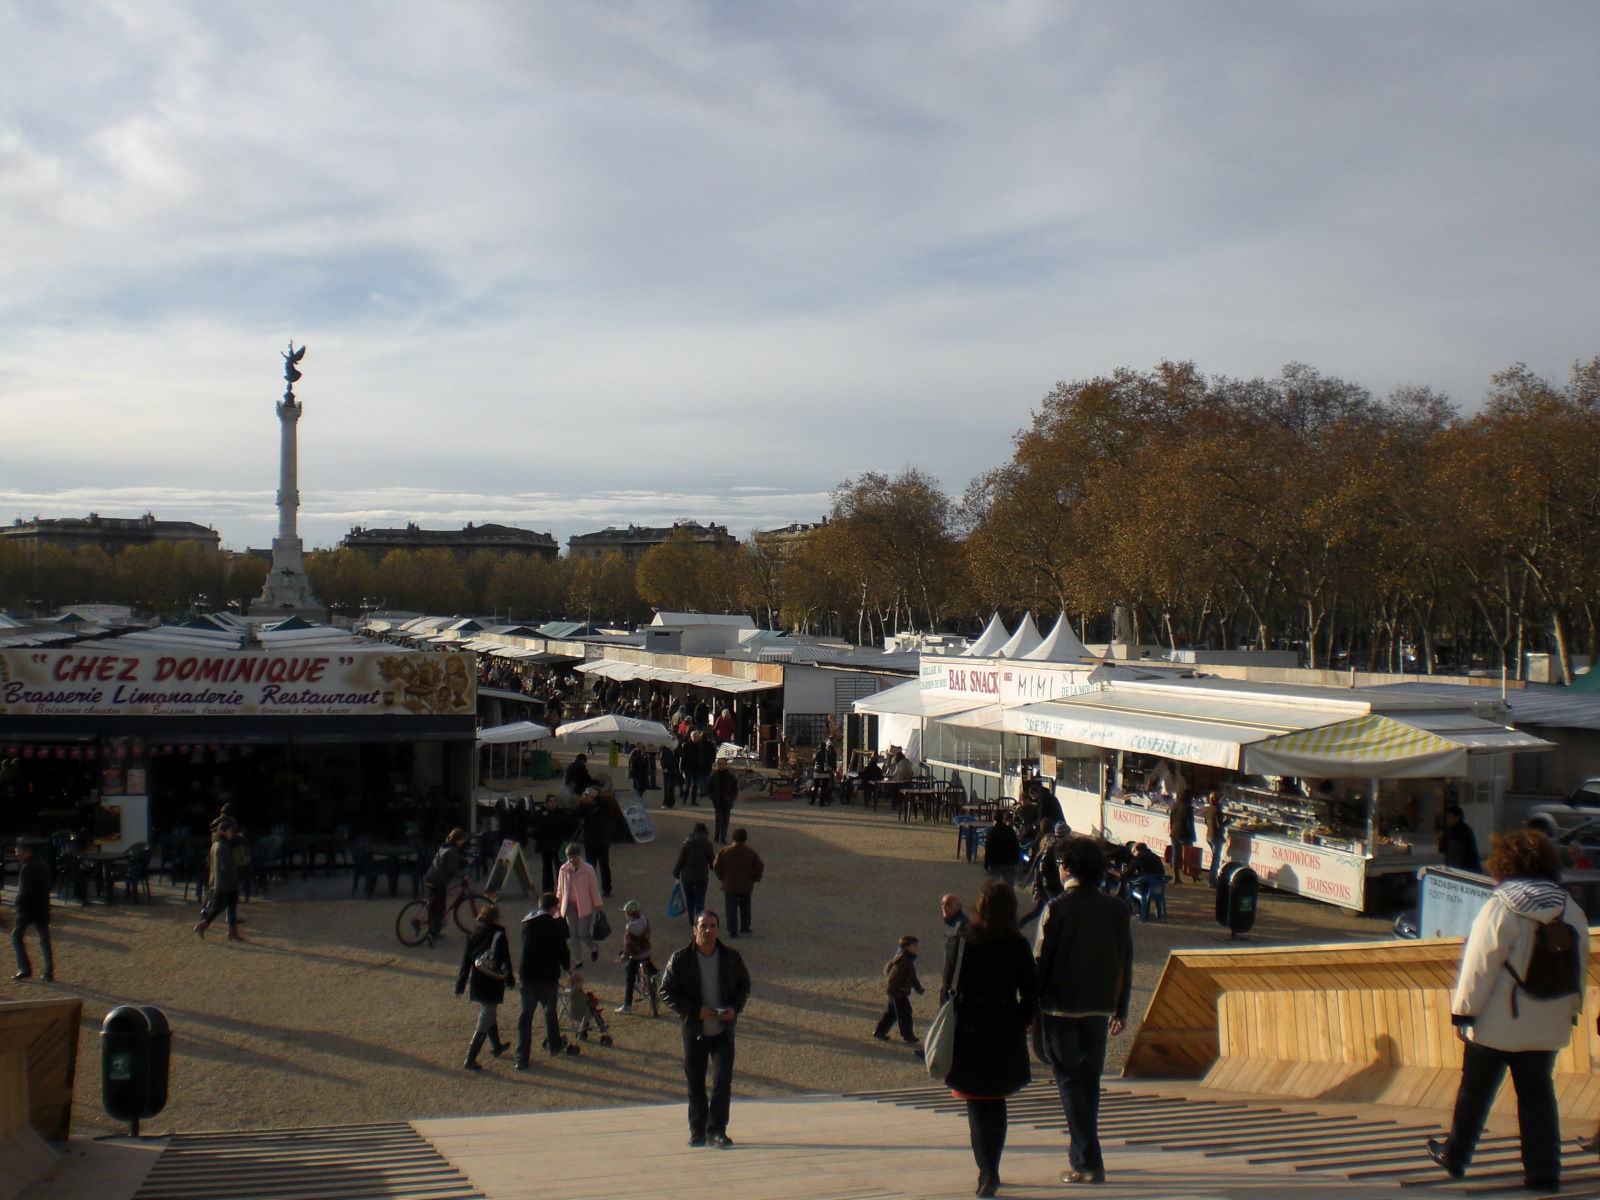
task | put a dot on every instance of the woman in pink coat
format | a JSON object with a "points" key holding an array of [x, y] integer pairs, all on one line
{"points": [[578, 896]]}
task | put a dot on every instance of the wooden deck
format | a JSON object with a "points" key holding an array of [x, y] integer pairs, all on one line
{"points": [[1357, 1022]]}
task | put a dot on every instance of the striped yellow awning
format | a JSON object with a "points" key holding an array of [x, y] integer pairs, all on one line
{"points": [[1371, 745]]}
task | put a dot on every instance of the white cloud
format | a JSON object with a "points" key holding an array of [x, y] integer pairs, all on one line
{"points": [[561, 264]]}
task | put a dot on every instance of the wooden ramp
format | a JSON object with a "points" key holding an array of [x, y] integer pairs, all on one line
{"points": [[1356, 1022]]}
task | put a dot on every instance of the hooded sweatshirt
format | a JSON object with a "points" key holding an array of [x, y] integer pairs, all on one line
{"points": [[1503, 932]]}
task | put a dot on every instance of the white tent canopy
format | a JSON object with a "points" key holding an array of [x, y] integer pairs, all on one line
{"points": [[1026, 638], [990, 640], [1060, 645], [516, 731], [613, 728]]}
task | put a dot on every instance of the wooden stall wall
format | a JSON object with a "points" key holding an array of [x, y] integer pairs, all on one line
{"points": [[38, 1062], [1364, 1022]]}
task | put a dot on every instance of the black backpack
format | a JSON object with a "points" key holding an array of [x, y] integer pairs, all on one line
{"points": [[1554, 968]]}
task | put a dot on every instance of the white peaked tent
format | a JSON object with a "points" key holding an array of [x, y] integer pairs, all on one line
{"points": [[1059, 645], [991, 639], [1023, 640]]}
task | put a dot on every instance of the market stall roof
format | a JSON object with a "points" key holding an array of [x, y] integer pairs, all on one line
{"points": [[517, 731], [494, 693], [909, 700], [1189, 727], [1308, 732], [318, 637], [1555, 707], [620, 669]]}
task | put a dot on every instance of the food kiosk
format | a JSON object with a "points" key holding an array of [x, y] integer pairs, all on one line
{"points": [[1328, 791]]}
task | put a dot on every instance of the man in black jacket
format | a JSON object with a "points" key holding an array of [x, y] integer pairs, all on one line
{"points": [[33, 908], [706, 985], [723, 787], [1002, 853], [546, 956], [1085, 980], [695, 760]]}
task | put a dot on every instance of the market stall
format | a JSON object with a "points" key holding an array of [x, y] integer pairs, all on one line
{"points": [[1329, 791]]}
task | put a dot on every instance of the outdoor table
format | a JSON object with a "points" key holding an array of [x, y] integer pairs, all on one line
{"points": [[392, 859], [984, 810], [97, 863], [308, 847], [919, 800]]}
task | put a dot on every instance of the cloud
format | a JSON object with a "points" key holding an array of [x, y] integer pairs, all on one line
{"points": [[608, 263]]}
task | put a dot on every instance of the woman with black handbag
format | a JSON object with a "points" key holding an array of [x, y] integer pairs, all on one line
{"points": [[996, 991], [486, 971]]}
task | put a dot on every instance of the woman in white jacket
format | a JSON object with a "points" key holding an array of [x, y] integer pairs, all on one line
{"points": [[1501, 1026]]}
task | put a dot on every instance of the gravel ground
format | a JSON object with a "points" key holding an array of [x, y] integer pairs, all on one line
{"points": [[322, 1017]]}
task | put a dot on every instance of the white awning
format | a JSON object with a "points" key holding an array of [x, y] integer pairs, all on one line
{"points": [[1193, 728], [517, 731], [1256, 736], [909, 700]]}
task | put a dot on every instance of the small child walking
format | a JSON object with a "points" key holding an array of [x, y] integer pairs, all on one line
{"points": [[901, 971]]}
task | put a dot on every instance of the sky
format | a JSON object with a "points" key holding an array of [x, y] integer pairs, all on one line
{"points": [[571, 265]]}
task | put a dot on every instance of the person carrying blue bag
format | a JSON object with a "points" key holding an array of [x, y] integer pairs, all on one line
{"points": [[693, 868]]}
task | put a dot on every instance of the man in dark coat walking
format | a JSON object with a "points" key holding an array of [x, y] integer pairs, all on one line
{"points": [[723, 787], [33, 908], [1085, 980], [1001, 850], [706, 985], [546, 957], [1457, 842]]}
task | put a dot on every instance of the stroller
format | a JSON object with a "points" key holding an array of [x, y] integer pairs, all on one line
{"points": [[581, 1008]]}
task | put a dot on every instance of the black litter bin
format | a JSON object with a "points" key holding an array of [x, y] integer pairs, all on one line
{"points": [[135, 1055], [1238, 889]]}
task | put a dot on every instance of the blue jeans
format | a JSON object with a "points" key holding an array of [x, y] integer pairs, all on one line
{"points": [[1217, 848], [42, 928], [708, 1118], [1076, 1050]]}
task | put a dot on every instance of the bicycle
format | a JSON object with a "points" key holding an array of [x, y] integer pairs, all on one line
{"points": [[411, 926], [646, 984]]}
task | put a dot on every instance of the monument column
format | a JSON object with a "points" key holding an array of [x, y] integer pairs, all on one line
{"points": [[287, 586]]}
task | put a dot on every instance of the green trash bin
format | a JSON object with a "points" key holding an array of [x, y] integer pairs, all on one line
{"points": [[539, 765]]}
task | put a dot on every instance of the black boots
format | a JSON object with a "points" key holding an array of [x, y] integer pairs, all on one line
{"points": [[496, 1046], [472, 1053]]}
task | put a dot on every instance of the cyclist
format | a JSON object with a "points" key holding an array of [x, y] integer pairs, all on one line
{"points": [[449, 865], [635, 950]]}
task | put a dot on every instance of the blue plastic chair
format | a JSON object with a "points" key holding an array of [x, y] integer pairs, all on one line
{"points": [[1150, 891]]}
